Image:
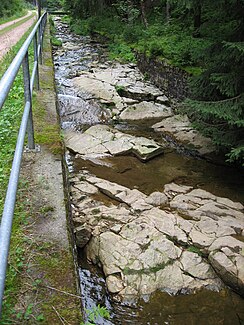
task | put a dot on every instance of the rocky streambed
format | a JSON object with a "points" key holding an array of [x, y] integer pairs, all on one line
{"points": [[156, 229]]}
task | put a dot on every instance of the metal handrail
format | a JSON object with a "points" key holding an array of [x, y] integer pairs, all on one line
{"points": [[6, 82]]}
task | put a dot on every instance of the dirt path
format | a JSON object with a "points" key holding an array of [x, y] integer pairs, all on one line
{"points": [[9, 23], [10, 38]]}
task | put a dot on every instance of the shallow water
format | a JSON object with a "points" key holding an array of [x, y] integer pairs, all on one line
{"points": [[175, 165], [169, 167], [202, 308]]}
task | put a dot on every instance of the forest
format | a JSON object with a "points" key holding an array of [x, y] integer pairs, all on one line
{"points": [[203, 37]]}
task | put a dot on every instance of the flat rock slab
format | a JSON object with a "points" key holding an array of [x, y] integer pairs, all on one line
{"points": [[102, 139], [164, 241], [99, 89], [179, 127], [145, 110], [121, 86]]}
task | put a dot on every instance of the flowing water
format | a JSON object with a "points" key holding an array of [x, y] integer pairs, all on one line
{"points": [[77, 110]]}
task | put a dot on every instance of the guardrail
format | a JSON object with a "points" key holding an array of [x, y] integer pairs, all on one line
{"points": [[6, 82]]}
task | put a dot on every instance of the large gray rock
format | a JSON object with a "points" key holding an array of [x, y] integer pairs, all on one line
{"points": [[103, 140], [143, 248], [145, 110], [230, 267], [179, 127], [99, 89], [116, 84]]}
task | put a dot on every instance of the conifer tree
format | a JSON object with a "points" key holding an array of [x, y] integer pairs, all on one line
{"points": [[217, 105]]}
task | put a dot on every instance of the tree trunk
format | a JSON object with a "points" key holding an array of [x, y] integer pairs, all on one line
{"points": [[167, 11], [197, 19], [143, 14]]}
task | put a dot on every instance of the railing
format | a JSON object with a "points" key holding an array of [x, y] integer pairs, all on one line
{"points": [[26, 126]]}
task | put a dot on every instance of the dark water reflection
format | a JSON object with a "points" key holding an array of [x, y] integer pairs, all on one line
{"points": [[170, 167], [202, 308]]}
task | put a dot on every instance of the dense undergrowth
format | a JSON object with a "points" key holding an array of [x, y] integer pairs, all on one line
{"points": [[167, 41], [13, 9], [17, 15]]}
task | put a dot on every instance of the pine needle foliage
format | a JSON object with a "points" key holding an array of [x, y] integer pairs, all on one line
{"points": [[216, 106]]}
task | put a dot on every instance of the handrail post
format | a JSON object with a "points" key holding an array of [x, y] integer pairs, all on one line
{"points": [[40, 42], [37, 83], [28, 98]]}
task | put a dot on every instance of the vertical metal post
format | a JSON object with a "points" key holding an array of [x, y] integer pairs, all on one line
{"points": [[39, 29], [39, 9], [40, 42], [26, 74], [37, 84]]}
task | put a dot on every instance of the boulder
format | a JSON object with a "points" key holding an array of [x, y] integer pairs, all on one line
{"points": [[230, 267]]}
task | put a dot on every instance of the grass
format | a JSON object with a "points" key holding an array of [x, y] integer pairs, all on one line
{"points": [[150, 270], [196, 250], [55, 41], [10, 117]]}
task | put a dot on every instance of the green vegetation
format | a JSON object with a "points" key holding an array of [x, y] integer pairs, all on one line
{"points": [[10, 117], [196, 250], [53, 5], [11, 8], [205, 38], [154, 269], [13, 17], [55, 41], [96, 313]]}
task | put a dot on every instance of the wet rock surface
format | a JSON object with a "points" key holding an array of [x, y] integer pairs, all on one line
{"points": [[93, 90], [179, 239], [170, 241]]}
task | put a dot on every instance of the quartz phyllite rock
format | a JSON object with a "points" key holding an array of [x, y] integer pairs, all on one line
{"points": [[102, 139], [167, 240]]}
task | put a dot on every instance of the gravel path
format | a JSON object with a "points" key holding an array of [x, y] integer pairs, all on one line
{"points": [[10, 38], [9, 23]]}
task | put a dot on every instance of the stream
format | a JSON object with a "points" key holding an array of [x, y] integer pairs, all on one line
{"points": [[77, 55]]}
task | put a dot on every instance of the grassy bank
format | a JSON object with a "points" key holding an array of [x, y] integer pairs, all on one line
{"points": [[10, 117]]}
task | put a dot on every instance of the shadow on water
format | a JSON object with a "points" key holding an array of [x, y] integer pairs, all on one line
{"points": [[169, 167]]}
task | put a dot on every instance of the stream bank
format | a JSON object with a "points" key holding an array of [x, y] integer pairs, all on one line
{"points": [[152, 226]]}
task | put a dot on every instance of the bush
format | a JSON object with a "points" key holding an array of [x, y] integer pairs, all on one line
{"points": [[121, 52]]}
